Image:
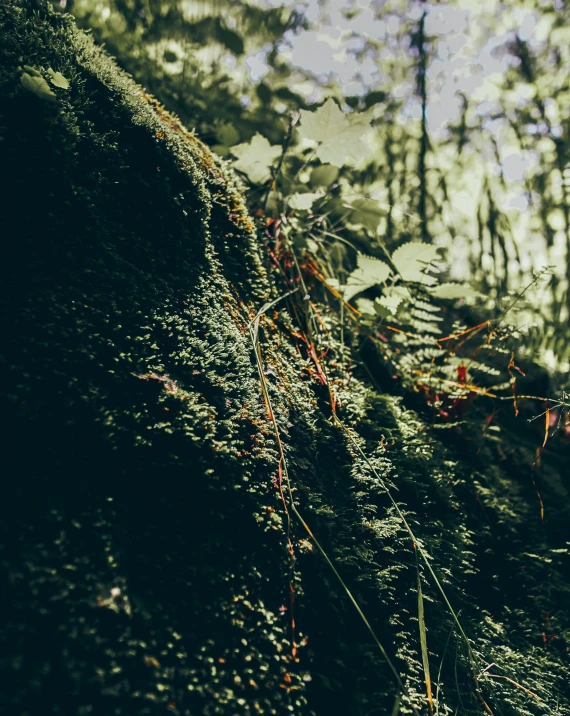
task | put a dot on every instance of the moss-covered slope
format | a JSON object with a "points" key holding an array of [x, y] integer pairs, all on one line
{"points": [[148, 562]]}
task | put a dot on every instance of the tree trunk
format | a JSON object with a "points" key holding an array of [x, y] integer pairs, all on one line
{"points": [[155, 562]]}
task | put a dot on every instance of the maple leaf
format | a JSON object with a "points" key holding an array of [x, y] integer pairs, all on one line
{"points": [[339, 136], [255, 157]]}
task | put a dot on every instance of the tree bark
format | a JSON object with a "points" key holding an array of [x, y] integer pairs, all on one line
{"points": [[153, 561]]}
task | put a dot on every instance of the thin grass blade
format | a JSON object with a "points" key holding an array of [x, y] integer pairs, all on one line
{"points": [[423, 643]]}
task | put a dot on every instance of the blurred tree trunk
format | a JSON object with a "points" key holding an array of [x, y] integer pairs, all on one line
{"points": [[150, 564]]}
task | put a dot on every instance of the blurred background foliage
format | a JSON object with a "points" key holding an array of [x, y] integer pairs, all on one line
{"points": [[471, 114]]}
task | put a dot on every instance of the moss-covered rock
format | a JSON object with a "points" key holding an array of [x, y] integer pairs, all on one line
{"points": [[153, 562]]}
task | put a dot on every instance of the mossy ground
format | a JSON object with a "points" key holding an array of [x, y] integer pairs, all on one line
{"points": [[144, 540]]}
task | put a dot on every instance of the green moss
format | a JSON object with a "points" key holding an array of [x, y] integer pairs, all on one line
{"points": [[146, 542]]}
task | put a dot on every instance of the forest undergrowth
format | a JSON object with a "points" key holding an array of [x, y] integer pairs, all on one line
{"points": [[391, 318], [321, 474]]}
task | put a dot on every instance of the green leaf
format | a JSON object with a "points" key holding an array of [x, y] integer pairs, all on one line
{"points": [[324, 175], [36, 84], [365, 306], [367, 213], [221, 150], [413, 258], [58, 80], [391, 300], [303, 202], [369, 272], [255, 158], [227, 135], [452, 291], [339, 136]]}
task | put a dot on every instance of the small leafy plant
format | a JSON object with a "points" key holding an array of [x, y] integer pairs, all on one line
{"points": [[325, 244], [305, 193]]}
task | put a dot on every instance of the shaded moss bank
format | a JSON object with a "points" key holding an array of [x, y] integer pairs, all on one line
{"points": [[145, 544]]}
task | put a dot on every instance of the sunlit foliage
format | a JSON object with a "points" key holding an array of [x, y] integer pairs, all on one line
{"points": [[470, 106]]}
